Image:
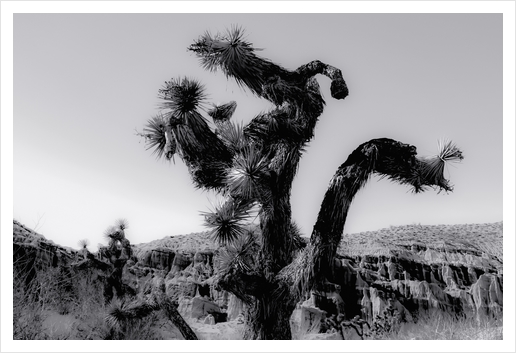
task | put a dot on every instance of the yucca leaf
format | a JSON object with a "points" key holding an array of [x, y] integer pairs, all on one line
{"points": [[116, 233], [233, 136], [182, 96], [240, 255], [431, 169], [121, 314], [83, 243], [295, 233], [448, 151], [109, 230], [154, 133], [228, 220], [122, 223], [235, 57], [222, 112], [116, 315], [249, 172]]}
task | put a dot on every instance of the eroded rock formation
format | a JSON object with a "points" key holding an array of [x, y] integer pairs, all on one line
{"points": [[414, 269], [419, 269]]}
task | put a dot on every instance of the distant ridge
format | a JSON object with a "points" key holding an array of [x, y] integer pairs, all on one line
{"points": [[482, 238]]}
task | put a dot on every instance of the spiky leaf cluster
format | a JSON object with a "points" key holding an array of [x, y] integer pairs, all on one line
{"points": [[249, 172], [222, 112], [83, 243], [236, 266], [121, 313], [235, 57], [154, 133], [228, 221], [117, 240], [122, 223], [431, 170], [239, 255], [188, 132], [114, 234], [398, 162], [182, 96], [233, 136]]}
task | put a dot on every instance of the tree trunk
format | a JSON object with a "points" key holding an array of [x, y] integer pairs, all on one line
{"points": [[178, 321], [269, 319]]}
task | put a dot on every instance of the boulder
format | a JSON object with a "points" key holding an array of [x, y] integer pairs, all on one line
{"points": [[159, 258], [209, 320], [235, 307], [306, 318], [180, 284], [202, 307], [487, 295], [181, 262], [231, 330], [185, 306]]}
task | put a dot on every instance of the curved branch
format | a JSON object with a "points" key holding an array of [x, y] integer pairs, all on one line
{"points": [[245, 286], [388, 158], [178, 321], [338, 88], [222, 113], [122, 315]]}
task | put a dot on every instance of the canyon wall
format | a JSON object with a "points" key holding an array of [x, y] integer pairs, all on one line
{"points": [[415, 269]]}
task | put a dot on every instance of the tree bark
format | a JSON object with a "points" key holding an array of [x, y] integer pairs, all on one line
{"points": [[269, 318], [178, 321]]}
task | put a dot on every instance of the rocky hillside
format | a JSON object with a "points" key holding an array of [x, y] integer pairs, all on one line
{"points": [[452, 268], [414, 269]]}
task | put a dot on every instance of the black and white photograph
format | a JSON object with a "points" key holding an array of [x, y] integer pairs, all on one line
{"points": [[291, 171]]}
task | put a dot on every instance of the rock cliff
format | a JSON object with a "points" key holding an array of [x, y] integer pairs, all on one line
{"points": [[457, 269], [416, 269]]}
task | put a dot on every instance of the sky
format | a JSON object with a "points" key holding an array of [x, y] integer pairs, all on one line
{"points": [[85, 83]]}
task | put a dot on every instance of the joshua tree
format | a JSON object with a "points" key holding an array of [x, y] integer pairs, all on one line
{"points": [[118, 252], [83, 246], [253, 167]]}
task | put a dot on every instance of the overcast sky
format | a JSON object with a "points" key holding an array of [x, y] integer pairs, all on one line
{"points": [[83, 83]]}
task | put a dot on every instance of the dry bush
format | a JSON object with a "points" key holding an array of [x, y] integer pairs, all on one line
{"points": [[40, 294], [435, 326], [28, 309], [441, 326]]}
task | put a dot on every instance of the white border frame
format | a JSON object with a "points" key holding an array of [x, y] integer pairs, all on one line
{"points": [[9, 8]]}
